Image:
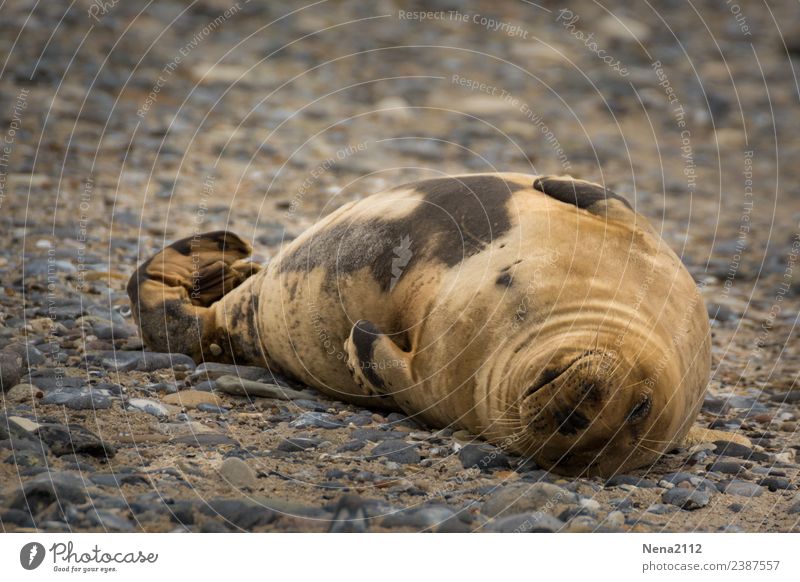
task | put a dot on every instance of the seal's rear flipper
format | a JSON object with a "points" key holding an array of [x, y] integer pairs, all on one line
{"points": [[377, 363], [699, 435], [173, 292]]}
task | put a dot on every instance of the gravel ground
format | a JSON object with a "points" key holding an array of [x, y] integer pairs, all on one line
{"points": [[128, 125]]}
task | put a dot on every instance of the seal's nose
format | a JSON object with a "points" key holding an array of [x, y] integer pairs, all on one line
{"points": [[574, 412]]}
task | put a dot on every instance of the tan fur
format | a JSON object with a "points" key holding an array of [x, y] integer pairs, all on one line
{"points": [[571, 334]]}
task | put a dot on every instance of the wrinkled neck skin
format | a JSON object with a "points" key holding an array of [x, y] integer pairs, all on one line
{"points": [[598, 393]]}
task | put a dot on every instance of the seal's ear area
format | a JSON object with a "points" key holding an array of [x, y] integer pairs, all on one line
{"points": [[170, 293], [377, 363], [584, 195]]}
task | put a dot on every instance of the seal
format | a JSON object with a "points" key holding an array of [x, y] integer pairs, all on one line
{"points": [[539, 312]]}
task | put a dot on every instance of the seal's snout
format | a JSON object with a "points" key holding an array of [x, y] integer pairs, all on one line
{"points": [[585, 413]]}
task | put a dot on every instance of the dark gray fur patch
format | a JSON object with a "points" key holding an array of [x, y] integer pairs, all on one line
{"points": [[456, 218], [365, 334], [504, 280], [580, 194]]}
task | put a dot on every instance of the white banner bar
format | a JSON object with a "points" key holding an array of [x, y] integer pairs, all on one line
{"points": [[389, 557]]}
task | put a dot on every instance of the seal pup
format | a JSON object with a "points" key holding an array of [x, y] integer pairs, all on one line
{"points": [[539, 312]]}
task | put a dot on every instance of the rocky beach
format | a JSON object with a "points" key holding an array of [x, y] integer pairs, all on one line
{"points": [[127, 125]]}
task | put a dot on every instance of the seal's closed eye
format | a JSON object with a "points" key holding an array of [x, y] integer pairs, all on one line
{"points": [[641, 410]]}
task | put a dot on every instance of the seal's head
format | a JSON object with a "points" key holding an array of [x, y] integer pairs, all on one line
{"points": [[599, 412]]}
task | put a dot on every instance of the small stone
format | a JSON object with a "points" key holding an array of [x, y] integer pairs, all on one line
{"points": [[485, 457], [741, 488], [212, 408], [524, 497], [51, 487], [731, 449], [24, 393], [296, 444], [244, 515], [215, 349], [776, 483], [536, 522], [213, 370], [64, 440], [397, 451], [123, 361], [615, 519], [660, 509], [618, 480], [84, 400], [727, 467], [685, 498], [191, 399], [316, 420], [207, 439], [149, 406], [238, 473], [242, 387], [10, 369], [419, 518]]}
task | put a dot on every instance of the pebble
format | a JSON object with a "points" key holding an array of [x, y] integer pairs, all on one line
{"points": [[660, 509], [316, 420], [191, 399], [214, 370], [47, 488], [295, 444], [485, 457], [397, 451], [727, 467], [689, 499], [149, 406], [242, 387], [618, 480], [239, 514], [525, 497], [84, 400], [731, 449], [776, 483], [64, 440], [141, 361], [420, 518], [116, 480], [238, 473], [10, 369], [206, 439], [536, 522], [615, 519]]}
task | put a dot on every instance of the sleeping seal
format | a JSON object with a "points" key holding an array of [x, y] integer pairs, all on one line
{"points": [[539, 312]]}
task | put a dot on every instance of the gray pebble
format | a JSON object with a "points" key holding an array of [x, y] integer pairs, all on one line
{"points": [[152, 407], [397, 451], [742, 488], [535, 522], [316, 420], [293, 445], [689, 499], [484, 456]]}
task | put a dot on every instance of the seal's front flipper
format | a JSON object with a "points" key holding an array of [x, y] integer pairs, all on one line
{"points": [[377, 363], [173, 294], [699, 435]]}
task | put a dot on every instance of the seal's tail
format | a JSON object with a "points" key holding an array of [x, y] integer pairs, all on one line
{"points": [[174, 294]]}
